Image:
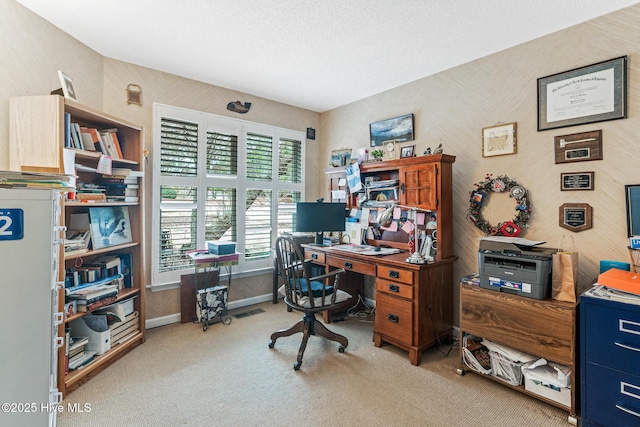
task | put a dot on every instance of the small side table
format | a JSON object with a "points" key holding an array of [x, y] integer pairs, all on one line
{"points": [[211, 302]]}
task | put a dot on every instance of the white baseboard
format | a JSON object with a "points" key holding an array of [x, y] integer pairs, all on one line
{"points": [[175, 318]]}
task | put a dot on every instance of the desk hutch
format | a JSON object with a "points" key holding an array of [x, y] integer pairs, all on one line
{"points": [[414, 302]]}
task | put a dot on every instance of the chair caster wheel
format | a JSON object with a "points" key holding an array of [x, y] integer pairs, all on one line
{"points": [[341, 349], [296, 366], [272, 344]]}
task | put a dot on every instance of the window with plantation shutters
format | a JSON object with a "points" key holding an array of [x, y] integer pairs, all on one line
{"points": [[218, 178]]}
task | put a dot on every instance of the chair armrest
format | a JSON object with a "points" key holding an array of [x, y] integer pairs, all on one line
{"points": [[332, 273]]}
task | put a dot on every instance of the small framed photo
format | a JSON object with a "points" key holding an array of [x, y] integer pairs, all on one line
{"points": [[340, 157], [68, 89], [407, 151], [499, 140]]}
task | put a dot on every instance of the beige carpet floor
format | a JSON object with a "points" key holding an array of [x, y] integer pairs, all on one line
{"points": [[227, 376]]}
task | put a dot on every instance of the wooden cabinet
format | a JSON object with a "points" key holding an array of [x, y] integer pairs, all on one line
{"points": [[609, 356], [38, 126], [541, 328], [423, 182]]}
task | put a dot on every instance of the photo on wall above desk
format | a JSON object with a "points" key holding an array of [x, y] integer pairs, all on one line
{"points": [[399, 129]]}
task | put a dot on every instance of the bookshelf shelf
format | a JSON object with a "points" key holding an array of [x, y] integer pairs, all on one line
{"points": [[122, 295], [76, 378], [41, 139]]}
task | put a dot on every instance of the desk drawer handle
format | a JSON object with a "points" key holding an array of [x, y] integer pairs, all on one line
{"points": [[392, 317], [394, 288], [628, 411], [314, 256], [394, 274], [348, 265], [628, 347]]}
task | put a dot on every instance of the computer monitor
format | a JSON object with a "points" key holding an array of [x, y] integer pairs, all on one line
{"points": [[320, 217]]}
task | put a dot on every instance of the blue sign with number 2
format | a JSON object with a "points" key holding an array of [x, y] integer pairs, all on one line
{"points": [[11, 224]]}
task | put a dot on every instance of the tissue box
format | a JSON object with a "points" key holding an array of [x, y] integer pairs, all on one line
{"points": [[219, 247]]}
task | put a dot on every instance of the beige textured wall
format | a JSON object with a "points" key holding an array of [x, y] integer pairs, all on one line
{"points": [[450, 108], [453, 106], [33, 50]]}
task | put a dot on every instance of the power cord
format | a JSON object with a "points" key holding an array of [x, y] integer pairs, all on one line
{"points": [[356, 311]]}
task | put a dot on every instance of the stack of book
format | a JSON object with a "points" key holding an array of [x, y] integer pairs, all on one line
{"points": [[122, 185], [77, 355], [93, 297], [76, 242], [86, 191]]}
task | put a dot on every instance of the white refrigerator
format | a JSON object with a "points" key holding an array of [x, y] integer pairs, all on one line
{"points": [[30, 239]]}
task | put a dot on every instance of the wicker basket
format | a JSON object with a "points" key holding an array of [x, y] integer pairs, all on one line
{"points": [[505, 369], [635, 260]]}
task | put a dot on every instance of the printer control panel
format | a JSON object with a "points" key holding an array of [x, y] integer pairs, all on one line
{"points": [[515, 254]]}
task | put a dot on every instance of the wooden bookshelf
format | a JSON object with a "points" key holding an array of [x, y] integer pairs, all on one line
{"points": [[38, 142]]}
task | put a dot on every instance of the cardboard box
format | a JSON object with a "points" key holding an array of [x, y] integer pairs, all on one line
{"points": [[219, 247], [539, 386], [626, 281], [549, 380]]}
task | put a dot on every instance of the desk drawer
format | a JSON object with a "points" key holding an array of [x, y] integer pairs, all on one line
{"points": [[394, 318], [395, 274], [612, 397], [612, 337], [314, 256], [351, 265], [394, 288]]}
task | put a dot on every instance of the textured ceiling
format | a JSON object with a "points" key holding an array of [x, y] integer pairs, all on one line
{"points": [[314, 54]]}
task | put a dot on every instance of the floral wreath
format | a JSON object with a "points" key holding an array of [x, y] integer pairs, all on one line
{"points": [[497, 185]]}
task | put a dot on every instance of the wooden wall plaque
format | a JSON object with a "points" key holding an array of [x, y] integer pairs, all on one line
{"points": [[577, 181], [576, 216], [578, 147]]}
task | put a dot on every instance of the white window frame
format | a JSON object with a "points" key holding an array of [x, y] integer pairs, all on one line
{"points": [[212, 122]]}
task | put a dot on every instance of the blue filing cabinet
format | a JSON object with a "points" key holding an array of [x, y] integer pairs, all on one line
{"points": [[609, 359]]}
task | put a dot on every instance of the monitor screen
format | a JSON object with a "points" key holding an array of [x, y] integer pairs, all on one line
{"points": [[320, 217]]}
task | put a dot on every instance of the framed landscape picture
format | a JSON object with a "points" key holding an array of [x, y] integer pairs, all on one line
{"points": [[110, 226], [398, 128]]}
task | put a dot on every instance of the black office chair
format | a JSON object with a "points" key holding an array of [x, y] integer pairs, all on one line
{"points": [[309, 295]]}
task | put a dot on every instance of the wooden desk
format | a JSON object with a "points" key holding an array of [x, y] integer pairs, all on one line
{"points": [[414, 302]]}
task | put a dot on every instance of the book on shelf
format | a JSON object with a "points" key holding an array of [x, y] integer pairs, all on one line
{"points": [[94, 294], [114, 280], [110, 226], [127, 172], [96, 197], [82, 307], [77, 342], [126, 268], [68, 143], [87, 358], [111, 134], [76, 242]]}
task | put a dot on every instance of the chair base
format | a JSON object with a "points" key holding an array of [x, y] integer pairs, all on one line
{"points": [[308, 325]]}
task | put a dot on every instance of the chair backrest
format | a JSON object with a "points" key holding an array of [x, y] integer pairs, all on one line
{"points": [[301, 290]]}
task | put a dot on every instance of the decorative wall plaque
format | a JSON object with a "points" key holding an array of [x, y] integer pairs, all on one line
{"points": [[576, 181], [576, 216], [578, 147]]}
